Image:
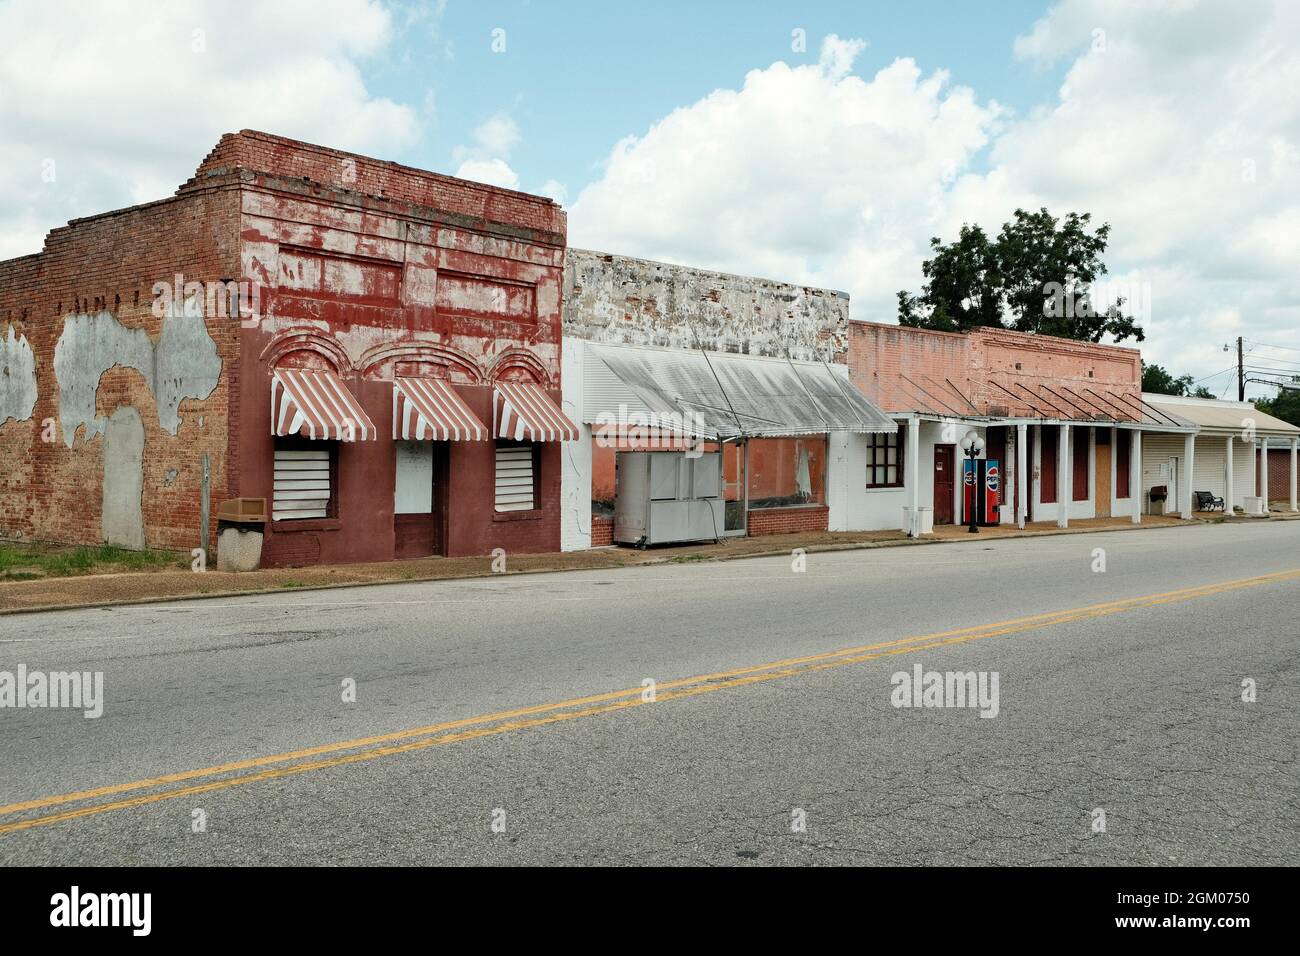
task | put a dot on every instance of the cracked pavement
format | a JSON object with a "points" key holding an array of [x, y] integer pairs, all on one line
{"points": [[1136, 713]]}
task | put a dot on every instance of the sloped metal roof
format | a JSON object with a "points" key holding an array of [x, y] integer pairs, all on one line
{"points": [[741, 395], [1220, 416]]}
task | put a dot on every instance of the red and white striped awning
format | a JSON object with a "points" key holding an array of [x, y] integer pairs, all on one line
{"points": [[316, 405], [429, 408], [524, 412]]}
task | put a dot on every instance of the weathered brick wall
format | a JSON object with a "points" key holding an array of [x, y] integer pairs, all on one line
{"points": [[602, 531], [802, 520], [92, 286], [622, 300], [985, 371], [1279, 474], [290, 159], [360, 277]]}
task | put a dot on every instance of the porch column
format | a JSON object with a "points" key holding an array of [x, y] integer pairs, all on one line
{"points": [[1135, 474], [1228, 492], [1295, 447], [912, 467], [1189, 470], [1264, 472], [1064, 476], [1022, 474]]}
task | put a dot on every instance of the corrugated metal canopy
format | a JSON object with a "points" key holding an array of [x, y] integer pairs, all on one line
{"points": [[1220, 416], [730, 395]]}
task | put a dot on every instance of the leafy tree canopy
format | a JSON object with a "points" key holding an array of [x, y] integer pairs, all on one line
{"points": [[1035, 276], [1157, 379], [1284, 405]]}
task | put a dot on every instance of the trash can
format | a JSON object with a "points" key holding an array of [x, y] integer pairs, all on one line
{"points": [[241, 525], [1159, 495]]}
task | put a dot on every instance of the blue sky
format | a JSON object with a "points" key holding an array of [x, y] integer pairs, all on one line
{"points": [[694, 133], [578, 76]]}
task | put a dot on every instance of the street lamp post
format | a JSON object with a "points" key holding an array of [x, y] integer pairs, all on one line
{"points": [[973, 445]]}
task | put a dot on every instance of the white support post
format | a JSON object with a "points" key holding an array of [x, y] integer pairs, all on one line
{"points": [[1022, 474], [1295, 448], [912, 474], [1189, 479], [1064, 476], [1228, 492], [1135, 474], [1264, 472]]}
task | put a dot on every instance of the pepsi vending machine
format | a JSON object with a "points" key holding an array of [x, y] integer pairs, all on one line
{"points": [[981, 490]]}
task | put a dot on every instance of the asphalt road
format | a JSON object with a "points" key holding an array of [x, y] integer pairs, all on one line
{"points": [[529, 690]]}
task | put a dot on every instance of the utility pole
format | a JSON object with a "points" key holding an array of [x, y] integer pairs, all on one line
{"points": [[1241, 373]]}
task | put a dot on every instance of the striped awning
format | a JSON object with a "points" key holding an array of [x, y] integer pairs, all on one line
{"points": [[430, 409], [316, 404], [524, 412]]}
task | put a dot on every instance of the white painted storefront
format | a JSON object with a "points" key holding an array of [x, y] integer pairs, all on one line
{"points": [[1231, 437]]}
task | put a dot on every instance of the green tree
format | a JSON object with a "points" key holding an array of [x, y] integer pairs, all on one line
{"points": [[1035, 276], [1284, 405], [1155, 378]]}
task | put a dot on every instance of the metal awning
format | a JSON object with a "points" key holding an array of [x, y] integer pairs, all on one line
{"points": [[316, 404], [430, 409], [719, 395], [523, 411], [1218, 417]]}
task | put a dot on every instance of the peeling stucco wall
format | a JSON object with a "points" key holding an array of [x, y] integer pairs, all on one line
{"points": [[182, 364], [123, 520], [619, 299], [17, 377]]}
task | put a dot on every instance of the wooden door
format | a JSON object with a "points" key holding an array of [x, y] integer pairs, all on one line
{"points": [[945, 477], [1103, 472]]}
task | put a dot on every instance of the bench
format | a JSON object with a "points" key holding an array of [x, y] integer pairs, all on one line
{"points": [[1207, 502]]}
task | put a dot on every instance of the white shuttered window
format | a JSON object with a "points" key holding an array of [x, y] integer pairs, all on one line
{"points": [[514, 491], [302, 484]]}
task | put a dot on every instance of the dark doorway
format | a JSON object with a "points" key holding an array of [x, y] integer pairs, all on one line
{"points": [[945, 476], [420, 506]]}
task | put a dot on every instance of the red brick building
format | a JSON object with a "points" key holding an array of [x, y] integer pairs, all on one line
{"points": [[373, 349], [1063, 422]]}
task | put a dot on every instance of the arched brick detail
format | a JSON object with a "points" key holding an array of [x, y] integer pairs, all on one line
{"points": [[306, 340], [508, 365], [420, 352]]}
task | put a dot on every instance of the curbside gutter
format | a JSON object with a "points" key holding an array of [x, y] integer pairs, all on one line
{"points": [[690, 557]]}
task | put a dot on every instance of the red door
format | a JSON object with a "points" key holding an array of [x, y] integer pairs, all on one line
{"points": [[945, 474]]}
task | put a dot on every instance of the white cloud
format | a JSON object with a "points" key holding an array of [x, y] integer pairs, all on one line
{"points": [[554, 189], [494, 172], [1177, 122], [808, 173], [128, 100]]}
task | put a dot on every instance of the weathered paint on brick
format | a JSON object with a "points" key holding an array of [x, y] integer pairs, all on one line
{"points": [[619, 299], [17, 377]]}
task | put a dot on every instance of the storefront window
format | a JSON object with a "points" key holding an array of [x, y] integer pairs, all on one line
{"points": [[885, 460], [787, 472]]}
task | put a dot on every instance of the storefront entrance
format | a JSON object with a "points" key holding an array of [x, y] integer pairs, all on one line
{"points": [[419, 500], [945, 474]]}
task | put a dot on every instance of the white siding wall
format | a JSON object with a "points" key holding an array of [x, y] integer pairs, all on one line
{"points": [[575, 457], [1211, 466], [1159, 450]]}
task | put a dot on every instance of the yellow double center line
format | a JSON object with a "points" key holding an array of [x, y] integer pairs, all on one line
{"points": [[227, 775]]}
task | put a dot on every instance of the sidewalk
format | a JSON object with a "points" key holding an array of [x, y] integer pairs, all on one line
{"points": [[100, 590]]}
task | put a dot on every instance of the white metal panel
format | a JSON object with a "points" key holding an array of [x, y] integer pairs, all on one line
{"points": [[413, 488]]}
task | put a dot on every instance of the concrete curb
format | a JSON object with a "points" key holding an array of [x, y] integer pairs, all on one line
{"points": [[651, 562]]}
